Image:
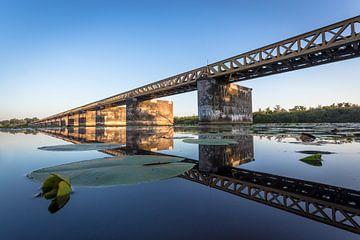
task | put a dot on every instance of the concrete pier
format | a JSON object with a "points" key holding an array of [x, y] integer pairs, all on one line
{"points": [[82, 119], [73, 120], [90, 118], [150, 112], [220, 103], [111, 116], [64, 121]]}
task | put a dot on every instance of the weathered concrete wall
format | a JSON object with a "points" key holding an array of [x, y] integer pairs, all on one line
{"points": [[214, 158], [73, 120], [223, 103], [82, 119], [64, 121], [57, 123], [87, 119], [148, 113], [90, 117], [112, 116]]}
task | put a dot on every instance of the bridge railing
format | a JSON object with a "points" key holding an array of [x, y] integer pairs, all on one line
{"points": [[315, 41]]}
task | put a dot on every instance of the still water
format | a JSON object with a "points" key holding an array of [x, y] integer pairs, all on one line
{"points": [[255, 189]]}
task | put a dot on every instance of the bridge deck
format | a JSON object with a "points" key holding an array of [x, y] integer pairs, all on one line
{"points": [[332, 43]]}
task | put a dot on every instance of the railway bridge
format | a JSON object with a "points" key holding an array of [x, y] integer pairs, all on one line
{"points": [[220, 101]]}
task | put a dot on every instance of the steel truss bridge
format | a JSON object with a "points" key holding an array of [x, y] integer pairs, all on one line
{"points": [[332, 205], [336, 42]]}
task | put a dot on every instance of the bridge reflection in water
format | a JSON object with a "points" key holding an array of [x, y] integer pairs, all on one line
{"points": [[216, 168]]}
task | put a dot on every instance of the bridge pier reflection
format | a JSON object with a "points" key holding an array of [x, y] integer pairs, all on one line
{"points": [[136, 139], [149, 139], [214, 158]]}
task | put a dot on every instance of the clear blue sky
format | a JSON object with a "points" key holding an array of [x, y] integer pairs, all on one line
{"points": [[56, 55]]}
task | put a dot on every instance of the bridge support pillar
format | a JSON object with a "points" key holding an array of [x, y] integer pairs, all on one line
{"points": [[111, 116], [64, 121], [82, 119], [149, 112], [58, 122], [73, 120], [90, 118], [223, 103]]}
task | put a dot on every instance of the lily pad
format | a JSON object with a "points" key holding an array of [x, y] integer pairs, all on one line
{"points": [[211, 141], [314, 152], [117, 171], [314, 160], [81, 147], [314, 157]]}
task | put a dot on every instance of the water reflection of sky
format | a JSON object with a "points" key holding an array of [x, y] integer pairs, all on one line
{"points": [[174, 208]]}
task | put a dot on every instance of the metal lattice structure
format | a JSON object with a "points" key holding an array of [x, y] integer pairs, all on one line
{"points": [[332, 43], [328, 204]]}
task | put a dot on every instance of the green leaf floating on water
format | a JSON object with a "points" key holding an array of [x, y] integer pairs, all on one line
{"points": [[64, 189], [314, 160], [118, 170], [55, 185], [81, 147], [58, 188], [211, 141]]}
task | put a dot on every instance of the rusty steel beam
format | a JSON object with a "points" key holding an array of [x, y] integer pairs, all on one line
{"points": [[336, 42]]}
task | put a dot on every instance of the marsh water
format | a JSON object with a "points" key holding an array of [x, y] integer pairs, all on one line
{"points": [[256, 188]]}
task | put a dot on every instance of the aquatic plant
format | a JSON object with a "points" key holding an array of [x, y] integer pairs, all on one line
{"points": [[314, 160], [81, 147], [117, 170], [58, 188]]}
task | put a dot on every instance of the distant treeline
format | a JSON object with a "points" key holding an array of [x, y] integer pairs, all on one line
{"points": [[190, 120], [17, 123], [335, 113]]}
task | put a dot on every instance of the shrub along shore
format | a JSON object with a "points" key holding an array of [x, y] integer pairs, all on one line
{"points": [[335, 113]]}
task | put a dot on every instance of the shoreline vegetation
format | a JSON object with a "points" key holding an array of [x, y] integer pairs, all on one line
{"points": [[17, 123], [335, 113]]}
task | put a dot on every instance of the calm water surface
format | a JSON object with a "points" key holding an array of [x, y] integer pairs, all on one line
{"points": [[263, 195]]}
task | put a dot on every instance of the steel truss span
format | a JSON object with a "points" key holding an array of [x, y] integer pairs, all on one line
{"points": [[336, 42]]}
